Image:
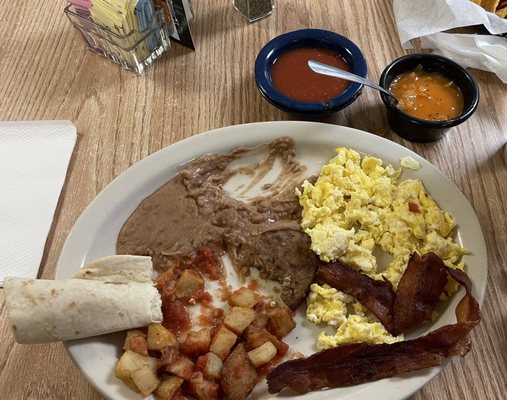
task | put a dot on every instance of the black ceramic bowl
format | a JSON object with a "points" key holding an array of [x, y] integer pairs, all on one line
{"points": [[419, 130], [311, 38]]}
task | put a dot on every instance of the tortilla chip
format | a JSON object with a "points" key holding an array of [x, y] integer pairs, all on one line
{"points": [[478, 2], [490, 5], [502, 12]]}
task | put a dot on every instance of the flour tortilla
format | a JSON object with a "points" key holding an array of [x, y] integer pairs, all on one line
{"points": [[120, 268], [42, 311]]}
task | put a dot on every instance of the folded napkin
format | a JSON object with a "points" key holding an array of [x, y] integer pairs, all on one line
{"points": [[33, 163], [426, 19]]}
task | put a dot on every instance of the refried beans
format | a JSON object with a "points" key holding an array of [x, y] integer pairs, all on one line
{"points": [[193, 210]]}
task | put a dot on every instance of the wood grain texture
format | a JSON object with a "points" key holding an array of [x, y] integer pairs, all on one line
{"points": [[46, 73]]}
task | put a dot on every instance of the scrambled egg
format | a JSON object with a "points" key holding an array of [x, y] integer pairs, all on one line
{"points": [[357, 207], [410, 163]]}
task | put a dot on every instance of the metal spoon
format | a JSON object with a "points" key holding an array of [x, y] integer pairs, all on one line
{"points": [[328, 70]]}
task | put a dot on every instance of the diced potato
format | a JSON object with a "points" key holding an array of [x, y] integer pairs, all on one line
{"points": [[239, 318], [168, 355], [190, 281], [159, 337], [145, 380], [243, 297], [212, 368], [256, 337], [136, 341], [262, 354], [168, 387], [203, 389], [281, 321], [182, 367], [238, 375], [222, 342], [197, 342], [261, 320], [130, 362]]}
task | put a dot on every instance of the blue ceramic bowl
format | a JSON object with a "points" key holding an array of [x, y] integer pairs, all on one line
{"points": [[310, 38], [420, 130]]}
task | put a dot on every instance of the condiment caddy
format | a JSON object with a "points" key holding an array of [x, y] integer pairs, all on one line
{"points": [[132, 33], [133, 51]]}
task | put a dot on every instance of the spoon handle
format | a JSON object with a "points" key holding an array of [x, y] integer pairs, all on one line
{"points": [[328, 70]]}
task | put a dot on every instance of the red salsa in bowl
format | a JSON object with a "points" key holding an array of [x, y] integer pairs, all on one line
{"points": [[285, 80], [292, 76]]}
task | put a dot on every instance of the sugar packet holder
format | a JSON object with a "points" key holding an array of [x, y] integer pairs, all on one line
{"points": [[137, 49]]}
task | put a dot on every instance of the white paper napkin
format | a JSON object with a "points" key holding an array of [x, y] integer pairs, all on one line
{"points": [[33, 163], [488, 53], [426, 19]]}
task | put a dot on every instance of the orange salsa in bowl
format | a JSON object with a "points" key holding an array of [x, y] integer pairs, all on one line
{"points": [[434, 93], [427, 95]]}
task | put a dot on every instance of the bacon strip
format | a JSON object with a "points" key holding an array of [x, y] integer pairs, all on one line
{"points": [[358, 363], [418, 290], [376, 296]]}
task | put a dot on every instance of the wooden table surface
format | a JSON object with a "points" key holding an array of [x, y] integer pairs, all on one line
{"points": [[46, 73]]}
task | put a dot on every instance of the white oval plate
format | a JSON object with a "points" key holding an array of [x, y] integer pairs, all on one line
{"points": [[94, 235]]}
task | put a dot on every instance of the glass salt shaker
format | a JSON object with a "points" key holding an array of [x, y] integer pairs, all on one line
{"points": [[254, 10]]}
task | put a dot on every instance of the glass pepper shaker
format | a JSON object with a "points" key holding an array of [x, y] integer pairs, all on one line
{"points": [[254, 10]]}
